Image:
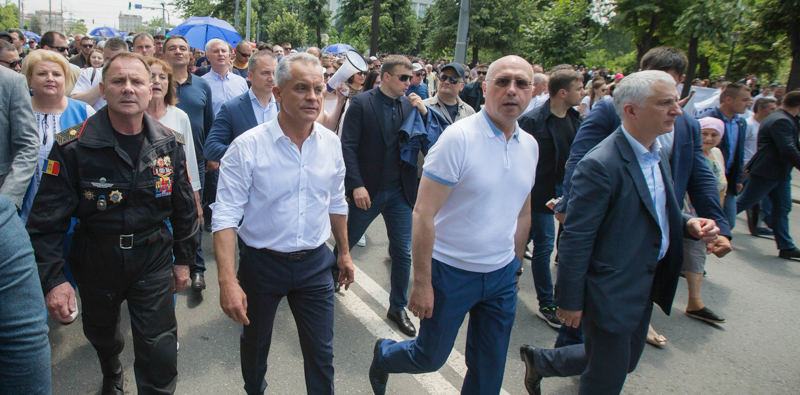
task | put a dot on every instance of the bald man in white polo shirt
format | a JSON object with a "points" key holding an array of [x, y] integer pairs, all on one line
{"points": [[471, 223]]}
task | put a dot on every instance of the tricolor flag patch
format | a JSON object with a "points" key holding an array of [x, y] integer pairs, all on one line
{"points": [[50, 167]]}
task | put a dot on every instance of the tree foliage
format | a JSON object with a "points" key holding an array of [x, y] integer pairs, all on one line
{"points": [[36, 26], [9, 16], [316, 17], [78, 27], [399, 26], [287, 28], [558, 34]]}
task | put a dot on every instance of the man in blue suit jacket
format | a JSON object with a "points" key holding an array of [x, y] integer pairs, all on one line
{"points": [[608, 282], [246, 111], [733, 101]]}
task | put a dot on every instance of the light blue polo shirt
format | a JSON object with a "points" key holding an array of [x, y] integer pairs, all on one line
{"points": [[491, 179]]}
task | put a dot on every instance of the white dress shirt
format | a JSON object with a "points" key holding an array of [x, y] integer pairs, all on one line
{"points": [[282, 194], [224, 88], [648, 160], [751, 139], [85, 83]]}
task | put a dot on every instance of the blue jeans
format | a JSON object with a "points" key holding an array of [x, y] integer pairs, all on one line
{"points": [[568, 336], [543, 234], [24, 347], [780, 195], [729, 208], [491, 301], [397, 215]]}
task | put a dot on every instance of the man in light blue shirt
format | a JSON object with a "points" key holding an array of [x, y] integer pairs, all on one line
{"points": [[225, 85]]}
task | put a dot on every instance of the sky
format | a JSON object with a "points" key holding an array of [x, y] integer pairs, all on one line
{"points": [[103, 12]]}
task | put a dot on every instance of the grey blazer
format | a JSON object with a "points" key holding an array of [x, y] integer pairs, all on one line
{"points": [[19, 138], [608, 262]]}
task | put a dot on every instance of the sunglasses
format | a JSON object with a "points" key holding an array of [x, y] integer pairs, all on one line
{"points": [[87, 45], [503, 82], [362, 73], [420, 74], [402, 77], [13, 64], [60, 49], [451, 80], [246, 55], [326, 75], [482, 72]]}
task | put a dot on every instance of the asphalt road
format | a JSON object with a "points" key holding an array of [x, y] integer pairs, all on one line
{"points": [[756, 352]]}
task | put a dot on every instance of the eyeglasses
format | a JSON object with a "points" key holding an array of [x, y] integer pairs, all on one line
{"points": [[402, 77], [60, 49], [481, 72], [87, 45], [326, 75], [420, 75], [362, 73], [503, 82], [447, 78], [246, 55], [13, 64]]}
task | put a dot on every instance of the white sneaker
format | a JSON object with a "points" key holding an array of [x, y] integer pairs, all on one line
{"points": [[362, 241]]}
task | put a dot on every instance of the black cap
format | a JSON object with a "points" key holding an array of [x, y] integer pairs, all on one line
{"points": [[4, 33], [457, 67]]}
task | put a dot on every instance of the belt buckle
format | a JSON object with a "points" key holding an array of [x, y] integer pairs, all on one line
{"points": [[297, 256], [126, 242]]}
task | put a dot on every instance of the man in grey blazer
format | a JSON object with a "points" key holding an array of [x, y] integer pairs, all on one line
{"points": [[622, 246], [19, 138]]}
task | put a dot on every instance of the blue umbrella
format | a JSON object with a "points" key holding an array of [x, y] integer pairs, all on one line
{"points": [[338, 48], [106, 32], [32, 35], [198, 30]]}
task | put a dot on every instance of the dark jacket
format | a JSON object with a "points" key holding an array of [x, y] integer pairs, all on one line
{"points": [[540, 124], [690, 173], [364, 146], [472, 94], [734, 175], [234, 118], [91, 164], [778, 148], [613, 278]]}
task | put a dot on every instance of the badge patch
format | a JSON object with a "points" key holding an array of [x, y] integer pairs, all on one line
{"points": [[88, 195], [163, 171], [115, 196], [50, 167], [163, 187], [102, 183], [101, 203]]}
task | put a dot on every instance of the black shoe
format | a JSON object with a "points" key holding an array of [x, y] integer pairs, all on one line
{"points": [[789, 254], [705, 314], [402, 321], [533, 380], [198, 282], [762, 232], [548, 314], [377, 378], [337, 286], [113, 378]]}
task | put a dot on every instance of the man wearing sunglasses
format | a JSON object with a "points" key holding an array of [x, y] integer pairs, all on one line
{"points": [[242, 53], [417, 86], [85, 46], [57, 42], [446, 101], [473, 92], [9, 58]]}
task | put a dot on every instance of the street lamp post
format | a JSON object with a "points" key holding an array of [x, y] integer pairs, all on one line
{"points": [[735, 36]]}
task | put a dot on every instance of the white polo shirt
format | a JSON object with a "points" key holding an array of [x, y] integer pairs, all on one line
{"points": [[491, 179]]}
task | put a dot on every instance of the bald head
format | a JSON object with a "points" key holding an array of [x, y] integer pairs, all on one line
{"points": [[512, 61]]}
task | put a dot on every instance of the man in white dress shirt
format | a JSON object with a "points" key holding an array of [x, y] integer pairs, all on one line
{"points": [[87, 89], [285, 180]]}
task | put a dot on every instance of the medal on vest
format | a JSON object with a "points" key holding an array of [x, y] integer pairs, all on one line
{"points": [[101, 203], [88, 195], [116, 196]]}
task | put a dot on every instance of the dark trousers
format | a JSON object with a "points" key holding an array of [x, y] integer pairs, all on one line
{"points": [[491, 301], [142, 276], [603, 362], [200, 262], [307, 284], [397, 215], [780, 194]]}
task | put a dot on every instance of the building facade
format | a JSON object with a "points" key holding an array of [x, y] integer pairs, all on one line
{"points": [[128, 23]]}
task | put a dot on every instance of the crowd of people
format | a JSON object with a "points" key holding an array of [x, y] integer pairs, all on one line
{"points": [[118, 155]]}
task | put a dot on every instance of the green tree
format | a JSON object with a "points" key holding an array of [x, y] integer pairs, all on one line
{"points": [[399, 27], [36, 25], [493, 25], [9, 16], [79, 27], [558, 34], [649, 22], [287, 28], [782, 18], [316, 17], [705, 20]]}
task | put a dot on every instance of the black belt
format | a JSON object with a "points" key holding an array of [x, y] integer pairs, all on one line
{"points": [[293, 256], [126, 242]]}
